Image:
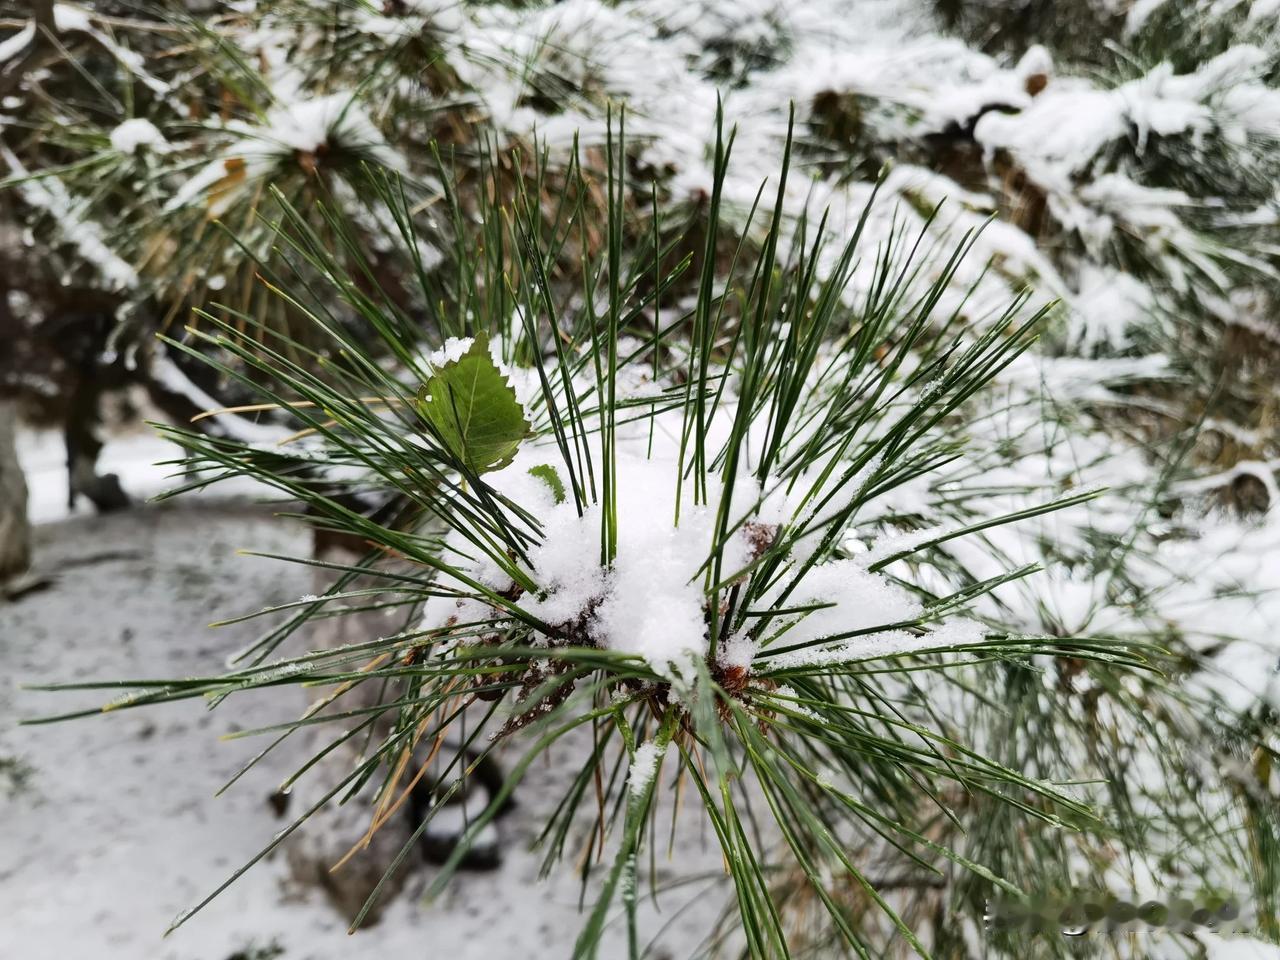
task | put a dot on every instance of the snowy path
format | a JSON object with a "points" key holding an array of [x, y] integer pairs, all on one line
{"points": [[114, 829]]}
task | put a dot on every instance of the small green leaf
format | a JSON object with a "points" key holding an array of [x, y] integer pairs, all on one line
{"points": [[547, 474], [473, 410]]}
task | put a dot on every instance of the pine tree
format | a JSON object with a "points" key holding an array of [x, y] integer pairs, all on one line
{"points": [[462, 298]]}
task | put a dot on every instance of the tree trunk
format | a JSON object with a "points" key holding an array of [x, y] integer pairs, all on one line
{"points": [[15, 527]]}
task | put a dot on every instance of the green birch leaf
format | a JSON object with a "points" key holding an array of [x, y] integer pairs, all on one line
{"points": [[474, 410], [548, 475]]}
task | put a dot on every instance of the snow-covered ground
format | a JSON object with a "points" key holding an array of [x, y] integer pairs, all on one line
{"points": [[110, 824]]}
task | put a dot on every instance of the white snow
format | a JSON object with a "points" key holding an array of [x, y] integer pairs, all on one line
{"points": [[651, 600], [1262, 9], [873, 646], [644, 766], [67, 17], [167, 373], [10, 47], [453, 350], [297, 126], [857, 599], [87, 236], [136, 133], [1110, 305], [1237, 948], [307, 124]]}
